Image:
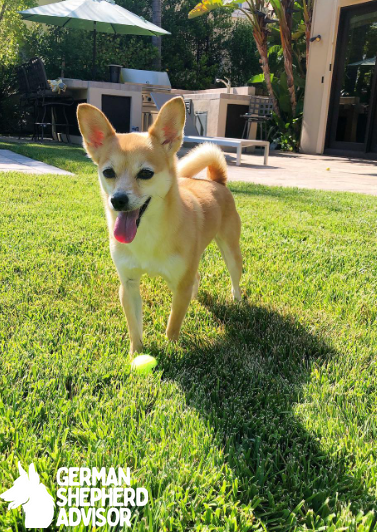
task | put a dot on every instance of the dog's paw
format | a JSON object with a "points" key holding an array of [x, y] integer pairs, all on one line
{"points": [[236, 293], [172, 336]]}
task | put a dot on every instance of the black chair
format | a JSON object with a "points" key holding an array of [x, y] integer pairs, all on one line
{"points": [[260, 112], [50, 107], [27, 103]]}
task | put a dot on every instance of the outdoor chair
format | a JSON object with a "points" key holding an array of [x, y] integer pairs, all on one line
{"points": [[260, 112], [49, 107], [26, 101], [191, 134]]}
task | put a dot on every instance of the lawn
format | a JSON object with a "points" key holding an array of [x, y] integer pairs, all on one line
{"points": [[263, 417]]}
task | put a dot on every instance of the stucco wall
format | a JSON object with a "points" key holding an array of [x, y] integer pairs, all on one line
{"points": [[215, 102], [319, 77]]}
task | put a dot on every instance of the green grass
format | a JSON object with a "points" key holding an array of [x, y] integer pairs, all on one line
{"points": [[263, 417]]}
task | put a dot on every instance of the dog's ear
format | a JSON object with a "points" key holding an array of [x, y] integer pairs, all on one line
{"points": [[33, 475], [168, 128], [95, 129], [21, 470]]}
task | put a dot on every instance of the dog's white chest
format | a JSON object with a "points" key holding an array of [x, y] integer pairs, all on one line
{"points": [[139, 260]]}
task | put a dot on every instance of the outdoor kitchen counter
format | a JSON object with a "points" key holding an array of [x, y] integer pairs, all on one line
{"points": [[78, 84], [121, 102], [222, 110]]}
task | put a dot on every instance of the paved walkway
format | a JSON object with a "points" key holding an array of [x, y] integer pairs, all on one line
{"points": [[320, 172], [13, 162]]}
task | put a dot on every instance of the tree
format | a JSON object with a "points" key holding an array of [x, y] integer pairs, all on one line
{"points": [[55, 45], [258, 13], [308, 6], [73, 47], [284, 12], [257, 16], [243, 60], [194, 54], [12, 30], [156, 41]]}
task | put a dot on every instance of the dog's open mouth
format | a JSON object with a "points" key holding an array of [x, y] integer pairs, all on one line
{"points": [[127, 223]]}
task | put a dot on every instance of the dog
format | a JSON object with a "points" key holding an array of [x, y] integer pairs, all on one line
{"points": [[160, 218]]}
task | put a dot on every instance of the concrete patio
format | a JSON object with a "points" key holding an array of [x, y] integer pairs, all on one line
{"points": [[305, 171]]}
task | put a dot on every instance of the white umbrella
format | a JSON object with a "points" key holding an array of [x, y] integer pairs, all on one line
{"points": [[365, 62], [93, 15]]}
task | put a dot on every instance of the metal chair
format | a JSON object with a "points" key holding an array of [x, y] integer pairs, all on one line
{"points": [[27, 104], [50, 107], [260, 112]]}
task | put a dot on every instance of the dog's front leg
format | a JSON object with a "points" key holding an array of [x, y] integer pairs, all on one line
{"points": [[181, 300], [130, 299]]}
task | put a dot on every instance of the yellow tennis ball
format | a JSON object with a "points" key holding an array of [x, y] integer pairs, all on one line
{"points": [[143, 364]]}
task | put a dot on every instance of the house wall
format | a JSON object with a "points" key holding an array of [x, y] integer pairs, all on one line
{"points": [[319, 77]]}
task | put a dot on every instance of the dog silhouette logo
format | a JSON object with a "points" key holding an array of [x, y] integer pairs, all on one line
{"points": [[36, 501]]}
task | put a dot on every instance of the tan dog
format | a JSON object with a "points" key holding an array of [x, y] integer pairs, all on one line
{"points": [[160, 224]]}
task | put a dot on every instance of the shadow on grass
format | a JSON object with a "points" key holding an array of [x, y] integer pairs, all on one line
{"points": [[246, 385]]}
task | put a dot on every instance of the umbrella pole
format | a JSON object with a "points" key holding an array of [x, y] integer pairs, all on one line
{"points": [[94, 50]]}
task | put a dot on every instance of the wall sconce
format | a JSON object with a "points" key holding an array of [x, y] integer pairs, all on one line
{"points": [[318, 38]]}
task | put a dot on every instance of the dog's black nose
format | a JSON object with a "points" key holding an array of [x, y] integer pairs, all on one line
{"points": [[119, 201]]}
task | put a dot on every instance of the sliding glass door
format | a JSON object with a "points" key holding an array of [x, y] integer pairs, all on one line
{"points": [[352, 125]]}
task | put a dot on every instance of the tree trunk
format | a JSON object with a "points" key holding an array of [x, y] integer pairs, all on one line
{"points": [[263, 52], [287, 53], [286, 41], [156, 41], [308, 17], [2, 11], [307, 34]]}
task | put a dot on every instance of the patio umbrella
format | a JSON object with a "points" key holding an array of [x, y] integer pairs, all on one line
{"points": [[93, 15], [365, 62]]}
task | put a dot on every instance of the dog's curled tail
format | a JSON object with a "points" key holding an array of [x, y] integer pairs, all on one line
{"points": [[208, 156]]}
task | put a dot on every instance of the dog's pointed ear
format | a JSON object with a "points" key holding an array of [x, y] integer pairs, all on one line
{"points": [[168, 128], [95, 129], [21, 470], [33, 475]]}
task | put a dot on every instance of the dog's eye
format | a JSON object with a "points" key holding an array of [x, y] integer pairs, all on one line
{"points": [[109, 173], [145, 174]]}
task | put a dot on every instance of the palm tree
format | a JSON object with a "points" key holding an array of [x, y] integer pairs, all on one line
{"points": [[284, 11], [257, 14], [308, 6], [258, 18], [156, 41]]}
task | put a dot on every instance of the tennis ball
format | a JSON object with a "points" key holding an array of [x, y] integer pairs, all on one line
{"points": [[143, 364]]}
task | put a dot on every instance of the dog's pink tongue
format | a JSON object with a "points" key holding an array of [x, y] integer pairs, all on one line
{"points": [[125, 226]]}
